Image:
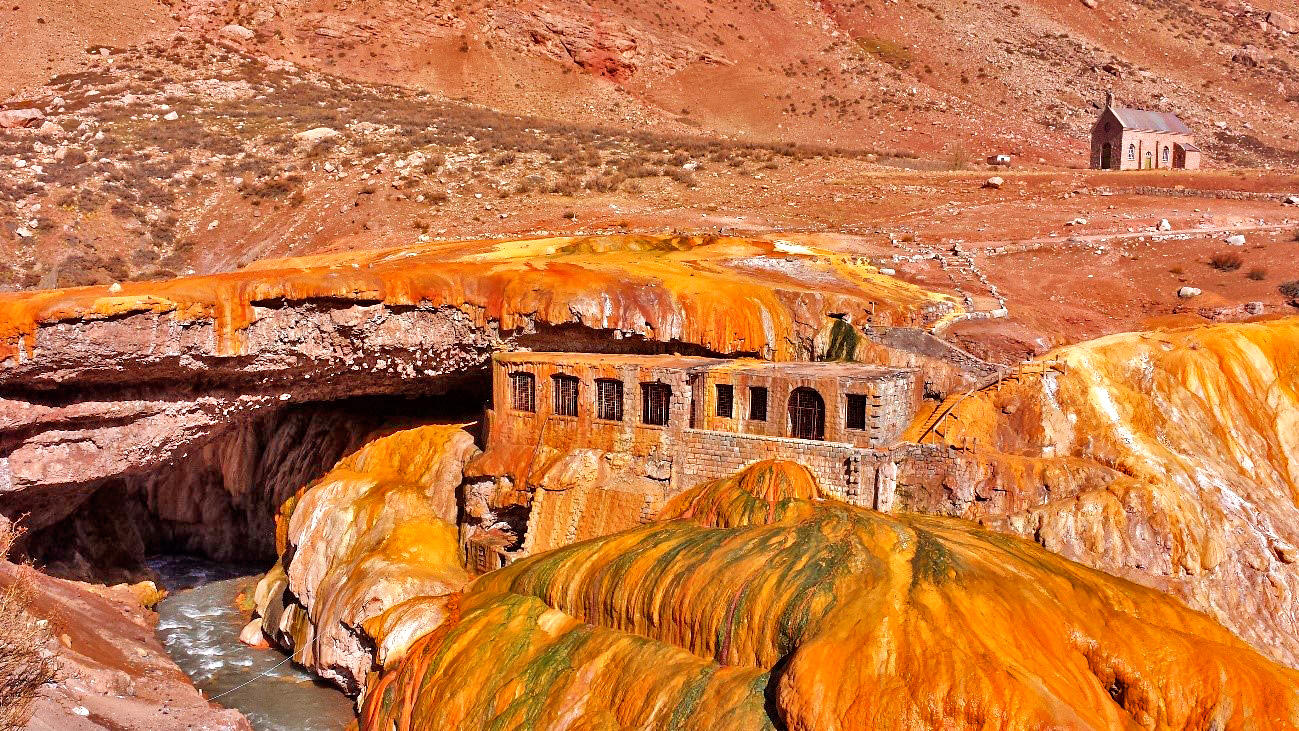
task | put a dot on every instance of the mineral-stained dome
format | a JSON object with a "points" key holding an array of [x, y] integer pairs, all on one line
{"points": [[751, 604], [1169, 457]]}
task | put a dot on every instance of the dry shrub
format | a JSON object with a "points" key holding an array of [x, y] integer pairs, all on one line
{"points": [[24, 664], [1257, 274], [1290, 290], [1227, 261]]}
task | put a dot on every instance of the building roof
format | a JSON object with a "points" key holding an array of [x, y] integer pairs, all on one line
{"points": [[1151, 121], [1188, 146], [804, 370], [695, 364]]}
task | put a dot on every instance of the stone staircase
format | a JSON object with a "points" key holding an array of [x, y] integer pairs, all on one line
{"points": [[929, 422], [967, 279]]}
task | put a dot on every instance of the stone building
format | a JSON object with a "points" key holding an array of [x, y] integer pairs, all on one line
{"points": [[580, 445], [1137, 139]]}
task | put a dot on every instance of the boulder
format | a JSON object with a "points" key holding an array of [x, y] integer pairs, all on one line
{"points": [[252, 635], [171, 116], [995, 182], [1282, 22], [1236, 240], [1090, 3], [237, 32], [21, 118], [1292, 200], [314, 136], [1164, 225], [1189, 292]]}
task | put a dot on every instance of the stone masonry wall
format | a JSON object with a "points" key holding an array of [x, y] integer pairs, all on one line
{"points": [[710, 455]]}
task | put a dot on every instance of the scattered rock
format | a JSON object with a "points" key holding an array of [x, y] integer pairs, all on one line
{"points": [[1080, 221], [23, 233], [171, 116], [21, 118], [314, 136], [237, 32], [1282, 22], [1090, 3], [1236, 240], [1248, 57], [252, 636], [1292, 200], [995, 182], [1164, 225], [1189, 292], [888, 272], [115, 287]]}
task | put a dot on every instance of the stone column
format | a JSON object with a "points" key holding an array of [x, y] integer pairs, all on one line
{"points": [[886, 486]]}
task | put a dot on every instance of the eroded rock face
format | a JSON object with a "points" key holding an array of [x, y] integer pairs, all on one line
{"points": [[753, 605], [370, 555], [220, 499], [1170, 458], [102, 386]]}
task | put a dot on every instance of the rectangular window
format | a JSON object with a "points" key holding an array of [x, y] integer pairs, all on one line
{"points": [[725, 400], [608, 399], [565, 395], [857, 411], [523, 392], [656, 399], [757, 403]]}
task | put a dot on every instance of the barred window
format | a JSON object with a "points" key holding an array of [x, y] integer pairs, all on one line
{"points": [[523, 392], [725, 400], [608, 399], [806, 414], [656, 399], [1132, 152], [757, 403], [856, 411], [565, 395]]}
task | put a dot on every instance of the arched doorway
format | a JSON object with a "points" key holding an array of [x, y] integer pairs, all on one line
{"points": [[1107, 156], [1149, 163], [806, 414]]}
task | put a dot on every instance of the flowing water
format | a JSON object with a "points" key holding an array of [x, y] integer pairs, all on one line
{"points": [[199, 625]]}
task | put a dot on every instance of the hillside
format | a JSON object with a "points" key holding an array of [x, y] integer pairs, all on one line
{"points": [[943, 78]]}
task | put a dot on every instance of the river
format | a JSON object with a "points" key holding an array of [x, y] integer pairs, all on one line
{"points": [[199, 625]]}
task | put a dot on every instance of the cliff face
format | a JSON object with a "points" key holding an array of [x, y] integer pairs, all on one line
{"points": [[750, 605], [1171, 458], [368, 554], [107, 385]]}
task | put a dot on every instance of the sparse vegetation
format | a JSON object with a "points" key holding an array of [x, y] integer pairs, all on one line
{"points": [[25, 664], [1257, 274], [890, 52], [1290, 290], [1227, 261]]}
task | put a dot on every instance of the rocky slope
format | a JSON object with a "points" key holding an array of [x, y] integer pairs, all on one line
{"points": [[109, 670], [750, 604], [1168, 457], [932, 75]]}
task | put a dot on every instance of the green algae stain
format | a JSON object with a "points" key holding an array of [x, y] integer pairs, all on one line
{"points": [[933, 562], [842, 347]]}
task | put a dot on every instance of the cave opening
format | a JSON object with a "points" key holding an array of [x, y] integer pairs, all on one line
{"points": [[219, 501]]}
